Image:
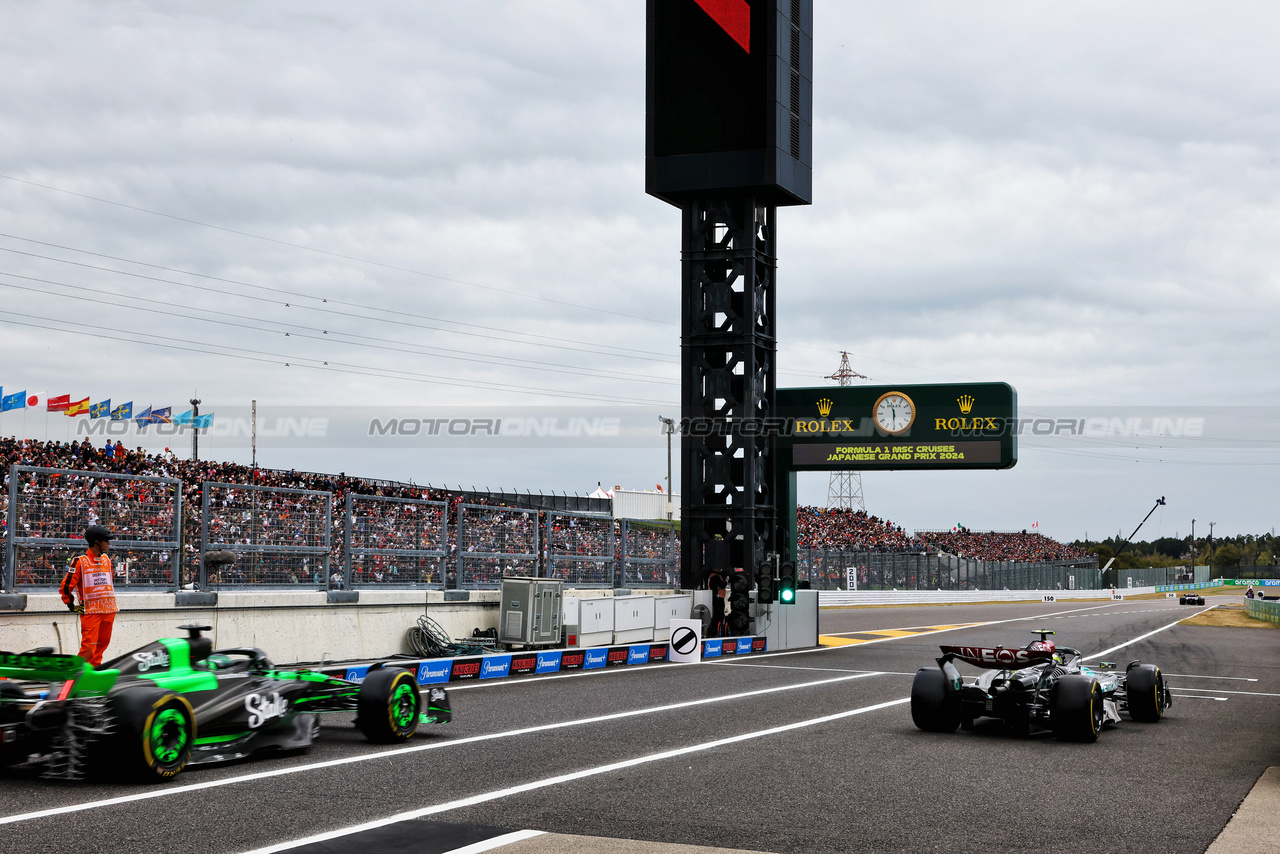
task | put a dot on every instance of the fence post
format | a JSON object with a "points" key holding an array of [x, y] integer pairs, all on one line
{"points": [[461, 532], [10, 553], [179, 554], [204, 533]]}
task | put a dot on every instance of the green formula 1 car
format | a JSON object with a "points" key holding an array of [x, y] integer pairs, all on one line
{"points": [[155, 710]]}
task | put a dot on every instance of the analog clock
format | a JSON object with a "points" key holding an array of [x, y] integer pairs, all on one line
{"points": [[894, 413]]}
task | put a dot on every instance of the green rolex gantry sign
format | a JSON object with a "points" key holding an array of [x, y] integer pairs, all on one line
{"points": [[940, 426]]}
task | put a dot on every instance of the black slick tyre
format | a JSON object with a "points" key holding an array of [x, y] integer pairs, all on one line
{"points": [[154, 734], [932, 708], [1146, 692], [1076, 708], [388, 705]]}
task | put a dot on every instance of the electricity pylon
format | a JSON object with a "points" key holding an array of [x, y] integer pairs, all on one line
{"points": [[844, 490]]}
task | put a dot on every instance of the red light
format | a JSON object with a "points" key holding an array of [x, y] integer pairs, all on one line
{"points": [[733, 16]]}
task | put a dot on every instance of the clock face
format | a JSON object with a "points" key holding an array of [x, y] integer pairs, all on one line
{"points": [[894, 413]]}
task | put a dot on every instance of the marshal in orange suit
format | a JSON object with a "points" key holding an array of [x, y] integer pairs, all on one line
{"points": [[89, 580]]}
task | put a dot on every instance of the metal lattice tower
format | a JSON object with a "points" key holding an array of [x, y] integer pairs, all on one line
{"points": [[844, 490], [727, 362]]}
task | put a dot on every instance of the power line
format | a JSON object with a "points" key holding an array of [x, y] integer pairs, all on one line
{"points": [[624, 354], [335, 254], [302, 362], [324, 336]]}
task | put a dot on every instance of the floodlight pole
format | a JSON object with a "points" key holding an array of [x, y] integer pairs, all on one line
{"points": [[669, 425], [195, 429]]}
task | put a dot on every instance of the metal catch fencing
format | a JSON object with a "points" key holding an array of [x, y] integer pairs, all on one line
{"points": [[48, 510], [837, 569], [394, 542], [280, 536], [649, 554], [579, 549], [494, 542]]}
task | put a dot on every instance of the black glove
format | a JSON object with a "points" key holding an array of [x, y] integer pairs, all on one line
{"points": [[74, 608]]}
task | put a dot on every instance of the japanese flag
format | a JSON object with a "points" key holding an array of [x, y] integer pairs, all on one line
{"points": [[37, 398]]}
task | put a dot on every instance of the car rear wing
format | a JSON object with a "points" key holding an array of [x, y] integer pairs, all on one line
{"points": [[995, 658], [75, 677]]}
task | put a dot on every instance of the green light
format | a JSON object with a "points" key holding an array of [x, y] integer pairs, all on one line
{"points": [[788, 595]]}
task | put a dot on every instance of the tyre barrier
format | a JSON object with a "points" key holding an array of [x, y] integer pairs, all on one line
{"points": [[538, 662]]}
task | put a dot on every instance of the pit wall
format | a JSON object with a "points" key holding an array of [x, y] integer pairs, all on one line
{"points": [[291, 626]]}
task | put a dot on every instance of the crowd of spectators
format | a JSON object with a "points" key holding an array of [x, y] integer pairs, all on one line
{"points": [[854, 530], [993, 546], [61, 506], [849, 530], [140, 511]]}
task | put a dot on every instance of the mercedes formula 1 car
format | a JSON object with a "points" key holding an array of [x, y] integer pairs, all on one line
{"points": [[177, 701], [1191, 599], [1040, 685]]}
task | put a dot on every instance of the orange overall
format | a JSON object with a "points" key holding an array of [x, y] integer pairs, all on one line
{"points": [[90, 580]]}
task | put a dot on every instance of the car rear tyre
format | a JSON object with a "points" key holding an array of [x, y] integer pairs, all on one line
{"points": [[932, 708], [1146, 692], [388, 705], [154, 734], [1076, 708]]}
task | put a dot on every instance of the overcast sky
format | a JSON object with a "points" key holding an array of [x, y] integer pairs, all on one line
{"points": [[1081, 199]]}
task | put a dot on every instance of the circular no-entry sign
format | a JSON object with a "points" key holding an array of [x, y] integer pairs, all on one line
{"points": [[684, 640]]}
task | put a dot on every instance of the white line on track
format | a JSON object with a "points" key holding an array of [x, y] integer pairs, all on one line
{"points": [[572, 776], [822, 669], [497, 842], [811, 650], [1147, 635], [1220, 691], [417, 748], [1200, 697], [1195, 676]]}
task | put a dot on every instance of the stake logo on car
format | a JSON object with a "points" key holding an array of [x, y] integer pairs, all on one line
{"points": [[262, 709], [156, 658]]}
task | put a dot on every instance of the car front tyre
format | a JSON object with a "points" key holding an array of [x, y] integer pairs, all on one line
{"points": [[1146, 692], [388, 705], [1076, 710]]}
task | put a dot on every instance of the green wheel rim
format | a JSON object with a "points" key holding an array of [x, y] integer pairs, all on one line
{"points": [[168, 735], [404, 705]]}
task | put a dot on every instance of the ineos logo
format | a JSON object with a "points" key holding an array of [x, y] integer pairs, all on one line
{"points": [[684, 640]]}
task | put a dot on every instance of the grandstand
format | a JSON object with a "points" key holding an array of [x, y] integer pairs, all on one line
{"points": [[397, 544], [855, 530], [272, 518]]}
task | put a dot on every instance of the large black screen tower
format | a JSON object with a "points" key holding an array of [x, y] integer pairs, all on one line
{"points": [[728, 139]]}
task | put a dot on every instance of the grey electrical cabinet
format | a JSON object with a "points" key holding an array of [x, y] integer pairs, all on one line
{"points": [[530, 613]]}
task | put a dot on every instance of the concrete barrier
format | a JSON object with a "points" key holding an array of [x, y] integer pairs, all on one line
{"points": [[292, 627]]}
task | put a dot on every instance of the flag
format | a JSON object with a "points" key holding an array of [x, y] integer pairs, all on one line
{"points": [[58, 404], [1035, 524], [659, 486], [35, 398], [17, 400], [123, 412], [200, 422], [78, 407], [184, 418], [100, 410], [161, 416], [145, 417]]}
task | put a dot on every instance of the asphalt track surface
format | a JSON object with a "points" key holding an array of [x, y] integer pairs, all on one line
{"points": [[808, 751]]}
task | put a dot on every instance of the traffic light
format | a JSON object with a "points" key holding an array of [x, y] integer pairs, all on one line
{"points": [[787, 583], [765, 590]]}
